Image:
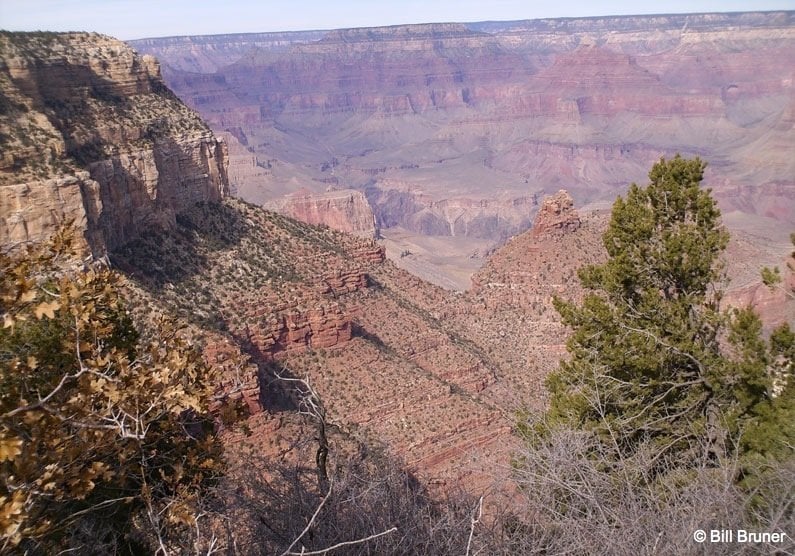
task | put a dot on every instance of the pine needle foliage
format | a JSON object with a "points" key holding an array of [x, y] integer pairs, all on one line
{"points": [[654, 361]]}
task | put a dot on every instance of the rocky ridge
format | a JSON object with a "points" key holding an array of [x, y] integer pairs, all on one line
{"points": [[92, 135], [267, 295]]}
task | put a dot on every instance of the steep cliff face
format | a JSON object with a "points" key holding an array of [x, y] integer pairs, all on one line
{"points": [[397, 204], [489, 112], [92, 135], [345, 210]]}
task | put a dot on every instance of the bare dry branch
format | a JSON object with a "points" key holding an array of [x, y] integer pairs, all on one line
{"points": [[475, 520], [340, 545], [311, 522]]}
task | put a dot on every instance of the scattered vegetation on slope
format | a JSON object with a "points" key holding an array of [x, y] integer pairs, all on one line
{"points": [[669, 416]]}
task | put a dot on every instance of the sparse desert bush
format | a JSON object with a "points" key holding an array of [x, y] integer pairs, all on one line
{"points": [[580, 498], [373, 497]]}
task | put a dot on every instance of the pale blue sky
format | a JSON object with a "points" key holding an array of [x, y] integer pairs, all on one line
{"points": [[131, 19]]}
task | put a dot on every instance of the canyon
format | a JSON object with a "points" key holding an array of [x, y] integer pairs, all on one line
{"points": [[262, 295], [498, 144], [458, 130]]}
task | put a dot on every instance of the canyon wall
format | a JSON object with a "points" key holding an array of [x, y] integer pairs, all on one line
{"points": [[397, 204], [92, 135], [498, 112], [345, 210]]}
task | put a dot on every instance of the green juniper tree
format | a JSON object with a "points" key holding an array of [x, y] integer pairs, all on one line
{"points": [[653, 360]]}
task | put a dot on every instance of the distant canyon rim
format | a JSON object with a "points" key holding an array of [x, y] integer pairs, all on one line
{"points": [[446, 137]]}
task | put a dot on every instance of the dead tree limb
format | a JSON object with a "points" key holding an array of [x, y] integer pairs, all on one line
{"points": [[312, 406]]}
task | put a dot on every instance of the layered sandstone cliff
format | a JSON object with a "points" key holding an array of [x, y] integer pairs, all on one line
{"points": [[92, 135], [493, 113], [398, 204], [346, 210]]}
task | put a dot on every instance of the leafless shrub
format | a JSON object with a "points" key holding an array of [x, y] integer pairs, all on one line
{"points": [[580, 500], [366, 499]]}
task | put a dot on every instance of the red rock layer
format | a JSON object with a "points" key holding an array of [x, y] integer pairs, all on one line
{"points": [[489, 112], [345, 210], [556, 215]]}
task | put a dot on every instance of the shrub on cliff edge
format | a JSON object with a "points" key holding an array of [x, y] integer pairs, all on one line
{"points": [[102, 442]]}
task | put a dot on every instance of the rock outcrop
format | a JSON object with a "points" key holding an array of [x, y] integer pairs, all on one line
{"points": [[371, 253], [341, 282], [313, 319], [91, 135], [556, 215], [345, 210], [287, 328], [237, 374]]}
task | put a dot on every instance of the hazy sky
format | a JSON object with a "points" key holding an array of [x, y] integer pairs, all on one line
{"points": [[131, 19]]}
